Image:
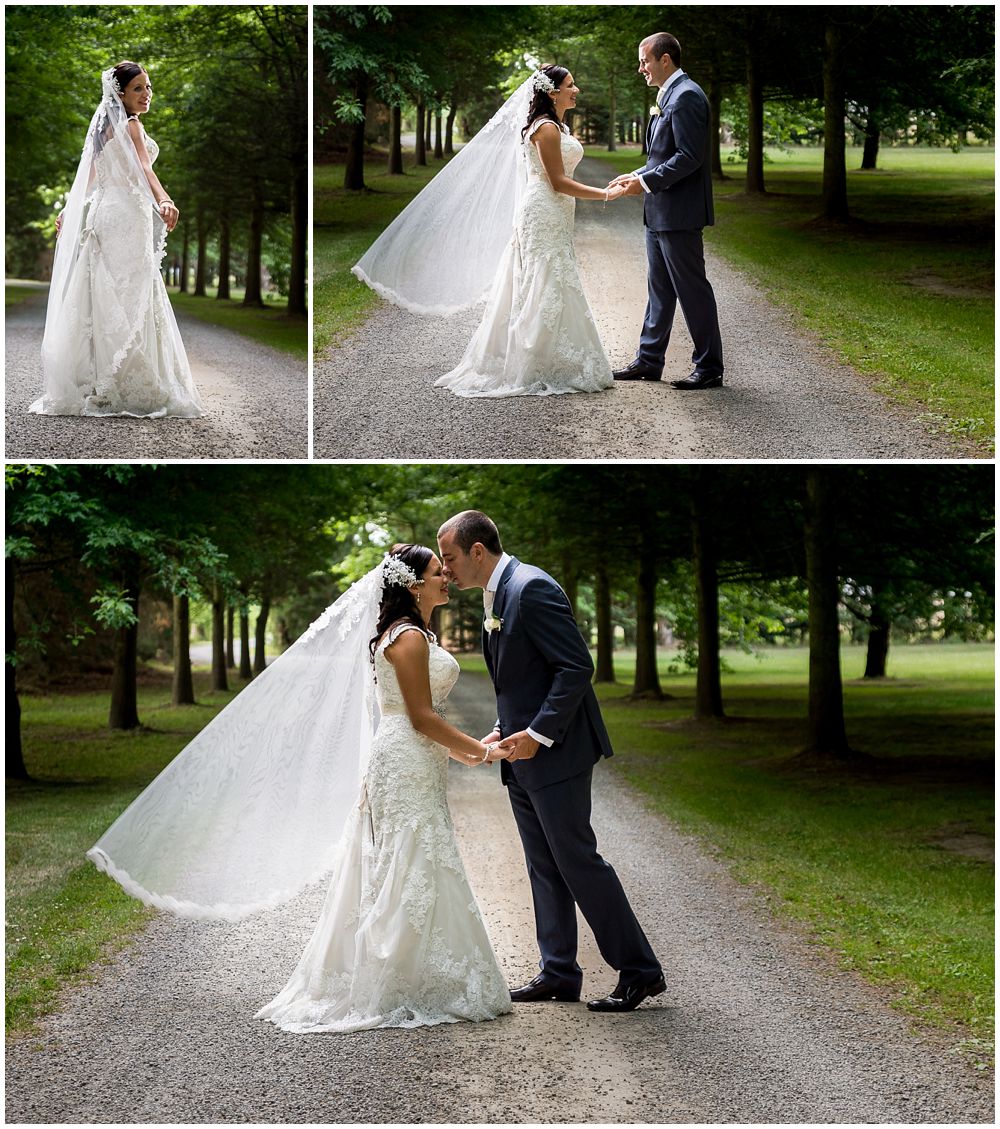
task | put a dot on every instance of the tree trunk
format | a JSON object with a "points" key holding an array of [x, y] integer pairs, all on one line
{"points": [[201, 264], [298, 267], [253, 295], [869, 158], [878, 643], [605, 666], [260, 636], [124, 712], [183, 687], [834, 130], [219, 680], [715, 111], [708, 688], [755, 124], [827, 734], [182, 286], [13, 748], [395, 167], [420, 144], [449, 128], [354, 169], [230, 638], [225, 252], [612, 115], [246, 669], [427, 129], [647, 677], [438, 144]]}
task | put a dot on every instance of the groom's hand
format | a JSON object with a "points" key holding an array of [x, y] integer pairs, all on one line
{"points": [[493, 738], [633, 186], [623, 179], [519, 746]]}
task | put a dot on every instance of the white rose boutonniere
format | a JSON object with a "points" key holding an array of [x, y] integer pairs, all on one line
{"points": [[655, 111], [492, 623]]}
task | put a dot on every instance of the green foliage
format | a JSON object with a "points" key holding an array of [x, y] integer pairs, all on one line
{"points": [[789, 122]]}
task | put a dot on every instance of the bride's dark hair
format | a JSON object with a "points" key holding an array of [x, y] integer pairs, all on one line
{"points": [[125, 71], [542, 105], [399, 603]]}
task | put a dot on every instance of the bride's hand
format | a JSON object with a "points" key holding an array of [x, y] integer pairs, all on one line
{"points": [[169, 214], [616, 190]]}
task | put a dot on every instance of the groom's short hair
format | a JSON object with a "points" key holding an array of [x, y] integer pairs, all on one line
{"points": [[663, 43], [471, 526]]}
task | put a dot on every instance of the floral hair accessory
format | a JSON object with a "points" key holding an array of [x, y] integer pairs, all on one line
{"points": [[542, 82], [109, 78], [394, 571]]}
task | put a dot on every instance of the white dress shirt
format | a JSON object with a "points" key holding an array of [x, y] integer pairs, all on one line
{"points": [[659, 101], [489, 593]]}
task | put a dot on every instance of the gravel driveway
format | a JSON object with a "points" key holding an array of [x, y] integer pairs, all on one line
{"points": [[255, 401], [786, 395], [755, 1026]]}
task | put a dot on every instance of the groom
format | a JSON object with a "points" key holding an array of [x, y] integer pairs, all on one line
{"points": [[676, 184], [551, 734]]}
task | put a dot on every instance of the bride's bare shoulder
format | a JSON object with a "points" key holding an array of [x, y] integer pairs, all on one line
{"points": [[405, 630]]}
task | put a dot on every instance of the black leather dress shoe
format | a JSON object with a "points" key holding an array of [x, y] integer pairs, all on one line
{"points": [[637, 371], [698, 380], [542, 988], [629, 998]]}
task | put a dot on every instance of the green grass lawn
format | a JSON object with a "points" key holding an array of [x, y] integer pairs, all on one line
{"points": [[62, 913], [344, 224], [882, 865], [904, 292], [272, 325], [14, 295]]}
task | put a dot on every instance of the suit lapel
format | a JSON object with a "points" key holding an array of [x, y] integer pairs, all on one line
{"points": [[499, 599]]}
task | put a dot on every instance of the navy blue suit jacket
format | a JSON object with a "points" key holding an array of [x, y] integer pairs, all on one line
{"points": [[678, 170], [541, 671]]}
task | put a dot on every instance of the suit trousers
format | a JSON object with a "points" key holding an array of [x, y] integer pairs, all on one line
{"points": [[566, 871], [676, 273]]}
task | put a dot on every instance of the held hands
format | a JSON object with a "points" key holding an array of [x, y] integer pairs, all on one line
{"points": [[519, 746], [58, 224], [614, 192], [625, 185]]}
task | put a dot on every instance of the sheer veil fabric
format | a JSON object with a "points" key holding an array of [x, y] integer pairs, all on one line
{"points": [[440, 254], [249, 813], [111, 344]]}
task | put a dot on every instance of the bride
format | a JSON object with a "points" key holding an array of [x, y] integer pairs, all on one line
{"points": [[453, 244], [111, 344], [248, 814]]}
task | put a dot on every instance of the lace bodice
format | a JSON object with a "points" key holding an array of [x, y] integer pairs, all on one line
{"points": [[571, 149], [443, 673]]}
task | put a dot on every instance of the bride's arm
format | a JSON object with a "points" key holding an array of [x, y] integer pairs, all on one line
{"points": [[168, 209], [547, 140], [409, 657]]}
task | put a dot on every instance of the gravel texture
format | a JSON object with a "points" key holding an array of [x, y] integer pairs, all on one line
{"points": [[786, 396], [755, 1026], [255, 400]]}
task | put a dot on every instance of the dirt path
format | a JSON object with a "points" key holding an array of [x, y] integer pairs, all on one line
{"points": [[754, 1025], [786, 396], [255, 400]]}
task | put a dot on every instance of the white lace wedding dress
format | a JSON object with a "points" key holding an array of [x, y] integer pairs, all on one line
{"points": [[400, 941], [538, 336], [115, 348]]}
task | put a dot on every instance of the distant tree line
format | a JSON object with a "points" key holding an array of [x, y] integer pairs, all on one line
{"points": [[230, 113], [896, 72], [724, 555]]}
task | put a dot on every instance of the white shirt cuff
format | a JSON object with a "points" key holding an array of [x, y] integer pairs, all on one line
{"points": [[546, 741], [645, 186]]}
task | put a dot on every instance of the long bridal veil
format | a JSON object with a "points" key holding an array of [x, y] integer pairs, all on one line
{"points": [[439, 255], [249, 813]]}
